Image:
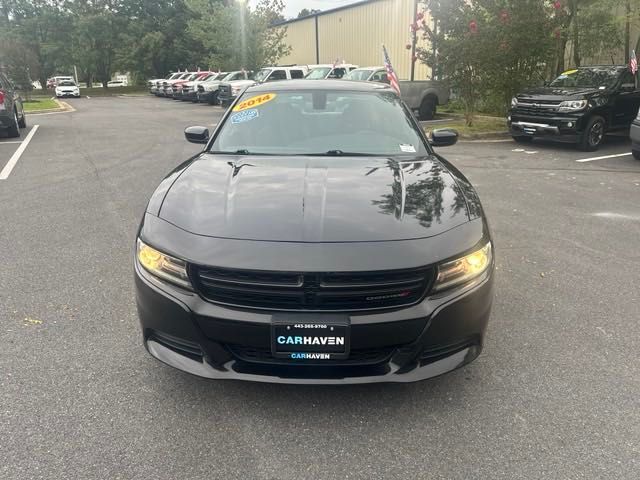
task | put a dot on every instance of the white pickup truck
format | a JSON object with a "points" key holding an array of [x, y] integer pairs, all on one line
{"points": [[421, 96]]}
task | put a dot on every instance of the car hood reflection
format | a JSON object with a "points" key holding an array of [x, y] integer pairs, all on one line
{"points": [[315, 199]]}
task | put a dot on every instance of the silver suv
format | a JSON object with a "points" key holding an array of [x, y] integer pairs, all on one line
{"points": [[12, 117]]}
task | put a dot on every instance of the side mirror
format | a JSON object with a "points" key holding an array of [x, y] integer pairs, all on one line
{"points": [[443, 137], [628, 87], [197, 134]]}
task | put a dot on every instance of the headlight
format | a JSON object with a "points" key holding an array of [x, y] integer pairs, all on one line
{"points": [[235, 90], [572, 105], [463, 269], [514, 101], [162, 265]]}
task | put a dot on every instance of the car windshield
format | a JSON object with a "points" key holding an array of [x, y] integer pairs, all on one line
{"points": [[262, 75], [233, 76], [595, 77], [66, 83], [319, 122], [318, 73], [358, 75]]}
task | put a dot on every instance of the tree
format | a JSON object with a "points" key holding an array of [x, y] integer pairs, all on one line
{"points": [[305, 12], [237, 36]]}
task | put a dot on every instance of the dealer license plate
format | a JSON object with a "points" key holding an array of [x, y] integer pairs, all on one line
{"points": [[310, 341]]}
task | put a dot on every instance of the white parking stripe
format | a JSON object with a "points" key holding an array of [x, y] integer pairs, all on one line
{"points": [[6, 171], [603, 157], [9, 143]]}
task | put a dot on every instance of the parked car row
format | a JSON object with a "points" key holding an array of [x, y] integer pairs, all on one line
{"points": [[222, 88]]}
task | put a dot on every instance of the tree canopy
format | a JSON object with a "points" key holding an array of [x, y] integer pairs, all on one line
{"points": [[42, 38]]}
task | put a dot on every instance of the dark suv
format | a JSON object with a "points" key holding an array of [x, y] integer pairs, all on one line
{"points": [[580, 106], [12, 117]]}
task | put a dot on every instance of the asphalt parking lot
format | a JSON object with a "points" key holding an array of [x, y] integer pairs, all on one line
{"points": [[555, 394]]}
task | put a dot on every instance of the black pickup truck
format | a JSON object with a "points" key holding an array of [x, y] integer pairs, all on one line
{"points": [[580, 106]]}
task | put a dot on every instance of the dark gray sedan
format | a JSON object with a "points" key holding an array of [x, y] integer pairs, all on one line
{"points": [[12, 117]]}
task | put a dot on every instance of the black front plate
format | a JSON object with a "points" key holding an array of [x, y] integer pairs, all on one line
{"points": [[310, 340]]}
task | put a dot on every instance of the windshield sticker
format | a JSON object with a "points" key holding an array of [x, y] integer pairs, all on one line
{"points": [[569, 72], [407, 148], [244, 116], [254, 102]]}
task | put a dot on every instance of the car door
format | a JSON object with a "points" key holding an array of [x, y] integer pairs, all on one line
{"points": [[627, 100]]}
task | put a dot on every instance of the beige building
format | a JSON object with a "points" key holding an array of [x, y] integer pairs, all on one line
{"points": [[355, 33]]}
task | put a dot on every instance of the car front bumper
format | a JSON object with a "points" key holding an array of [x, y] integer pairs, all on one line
{"points": [[567, 128], [67, 94], [440, 334]]}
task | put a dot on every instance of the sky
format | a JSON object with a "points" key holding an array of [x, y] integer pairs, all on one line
{"points": [[292, 7]]}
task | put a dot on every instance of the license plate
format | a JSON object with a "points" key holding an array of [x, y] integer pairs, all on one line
{"points": [[310, 341]]}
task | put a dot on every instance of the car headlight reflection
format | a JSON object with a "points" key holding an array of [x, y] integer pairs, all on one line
{"points": [[464, 269], [162, 265]]}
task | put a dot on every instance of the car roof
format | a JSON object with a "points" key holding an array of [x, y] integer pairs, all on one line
{"points": [[379, 67], [331, 85]]}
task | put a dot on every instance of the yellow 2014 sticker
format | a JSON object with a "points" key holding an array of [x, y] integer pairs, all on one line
{"points": [[254, 101], [569, 72]]}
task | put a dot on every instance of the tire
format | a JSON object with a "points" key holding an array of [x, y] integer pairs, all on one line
{"points": [[593, 134], [427, 109], [14, 130], [22, 123], [636, 154], [522, 139], [213, 100]]}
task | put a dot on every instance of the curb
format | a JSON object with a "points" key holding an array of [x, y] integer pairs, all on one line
{"points": [[62, 107]]}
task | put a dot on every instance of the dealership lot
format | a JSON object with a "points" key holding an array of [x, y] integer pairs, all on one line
{"points": [[554, 395]]}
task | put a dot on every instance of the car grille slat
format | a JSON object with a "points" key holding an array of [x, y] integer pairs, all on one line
{"points": [[330, 291]]}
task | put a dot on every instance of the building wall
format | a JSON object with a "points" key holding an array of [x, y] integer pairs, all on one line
{"points": [[356, 35]]}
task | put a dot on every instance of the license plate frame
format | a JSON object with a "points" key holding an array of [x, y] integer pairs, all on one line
{"points": [[332, 339]]}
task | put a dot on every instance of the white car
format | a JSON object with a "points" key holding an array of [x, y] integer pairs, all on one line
{"points": [[67, 88], [320, 72], [116, 83], [228, 91]]}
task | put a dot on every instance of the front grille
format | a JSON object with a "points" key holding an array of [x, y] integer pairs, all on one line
{"points": [[224, 91], [545, 108], [366, 356], [333, 291]]}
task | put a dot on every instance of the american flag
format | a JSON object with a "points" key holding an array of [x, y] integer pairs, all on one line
{"points": [[391, 74], [633, 63]]}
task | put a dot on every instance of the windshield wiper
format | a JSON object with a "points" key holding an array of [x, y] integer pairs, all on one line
{"points": [[340, 153]]}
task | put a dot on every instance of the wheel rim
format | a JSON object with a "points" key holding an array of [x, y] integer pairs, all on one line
{"points": [[596, 133]]}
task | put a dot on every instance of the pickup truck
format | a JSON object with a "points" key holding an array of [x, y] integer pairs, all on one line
{"points": [[208, 90], [580, 106], [228, 91], [421, 96]]}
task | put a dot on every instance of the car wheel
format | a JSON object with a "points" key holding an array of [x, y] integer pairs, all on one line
{"points": [[14, 130], [593, 134], [427, 109], [522, 139], [213, 100], [22, 123], [636, 154]]}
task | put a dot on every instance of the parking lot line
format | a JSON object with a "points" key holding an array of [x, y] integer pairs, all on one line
{"points": [[603, 157], [6, 171], [8, 143]]}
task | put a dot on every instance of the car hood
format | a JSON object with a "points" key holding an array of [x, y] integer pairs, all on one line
{"points": [[314, 199], [557, 94]]}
